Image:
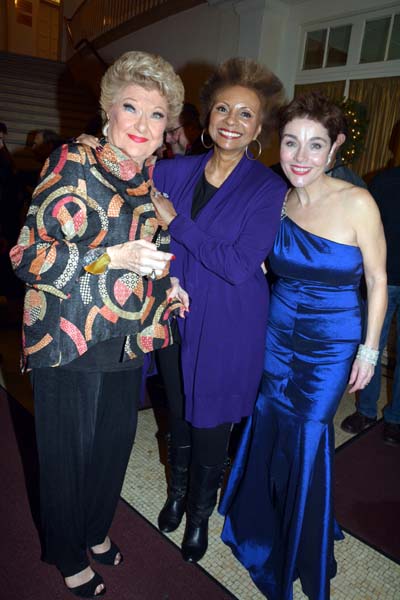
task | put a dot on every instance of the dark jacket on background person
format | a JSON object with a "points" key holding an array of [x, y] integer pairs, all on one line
{"points": [[385, 188]]}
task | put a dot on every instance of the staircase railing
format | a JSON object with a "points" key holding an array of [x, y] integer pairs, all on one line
{"points": [[97, 19], [86, 65]]}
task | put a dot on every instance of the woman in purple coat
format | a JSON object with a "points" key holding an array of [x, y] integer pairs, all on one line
{"points": [[223, 216]]}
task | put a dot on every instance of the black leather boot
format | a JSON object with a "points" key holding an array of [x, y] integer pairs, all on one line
{"points": [[203, 487], [172, 512]]}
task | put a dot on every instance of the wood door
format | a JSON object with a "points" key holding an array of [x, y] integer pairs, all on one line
{"points": [[48, 30]]}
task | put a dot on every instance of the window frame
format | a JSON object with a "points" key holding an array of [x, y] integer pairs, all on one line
{"points": [[353, 68]]}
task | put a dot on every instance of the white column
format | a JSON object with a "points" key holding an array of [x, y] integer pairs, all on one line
{"points": [[263, 33], [252, 14]]}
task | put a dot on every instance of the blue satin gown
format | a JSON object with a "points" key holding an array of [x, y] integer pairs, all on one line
{"points": [[278, 502]]}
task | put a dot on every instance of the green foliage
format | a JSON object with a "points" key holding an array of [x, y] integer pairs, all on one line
{"points": [[356, 116]]}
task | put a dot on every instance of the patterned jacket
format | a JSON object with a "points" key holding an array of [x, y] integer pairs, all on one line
{"points": [[85, 201]]}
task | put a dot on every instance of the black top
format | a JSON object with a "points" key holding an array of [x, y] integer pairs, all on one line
{"points": [[104, 356], [385, 188], [203, 192]]}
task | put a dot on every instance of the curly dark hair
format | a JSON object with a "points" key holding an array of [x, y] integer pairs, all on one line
{"points": [[249, 74], [317, 107]]}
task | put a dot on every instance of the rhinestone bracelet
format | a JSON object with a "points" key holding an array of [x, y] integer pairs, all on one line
{"points": [[367, 354]]}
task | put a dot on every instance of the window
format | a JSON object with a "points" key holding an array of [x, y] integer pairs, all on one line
{"points": [[315, 48], [338, 45], [327, 47], [394, 46], [381, 39], [374, 42]]}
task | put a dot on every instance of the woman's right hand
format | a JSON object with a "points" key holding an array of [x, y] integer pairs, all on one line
{"points": [[139, 256], [89, 140], [178, 293]]}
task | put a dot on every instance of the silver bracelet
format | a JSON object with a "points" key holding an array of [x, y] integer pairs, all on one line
{"points": [[367, 354]]}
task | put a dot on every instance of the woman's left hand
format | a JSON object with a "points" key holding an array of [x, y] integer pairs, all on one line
{"points": [[88, 140], [180, 294], [360, 376], [165, 211]]}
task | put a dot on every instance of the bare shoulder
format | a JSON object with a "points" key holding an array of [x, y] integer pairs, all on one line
{"points": [[359, 203]]}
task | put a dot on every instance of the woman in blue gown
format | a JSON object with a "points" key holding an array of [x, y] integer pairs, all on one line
{"points": [[278, 503]]}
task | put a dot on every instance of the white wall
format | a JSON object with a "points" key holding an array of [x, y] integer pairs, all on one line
{"points": [[270, 31], [193, 41], [305, 13]]}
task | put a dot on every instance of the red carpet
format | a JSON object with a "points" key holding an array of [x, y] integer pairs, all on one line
{"points": [[367, 491], [152, 570]]}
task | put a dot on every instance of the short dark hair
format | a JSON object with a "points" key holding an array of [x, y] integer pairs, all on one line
{"points": [[50, 137], [249, 74], [3, 128], [317, 107]]}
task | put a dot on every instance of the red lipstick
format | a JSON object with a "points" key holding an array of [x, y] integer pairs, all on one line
{"points": [[297, 170], [137, 139]]}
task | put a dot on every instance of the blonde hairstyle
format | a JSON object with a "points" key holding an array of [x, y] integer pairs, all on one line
{"points": [[249, 74], [147, 70]]}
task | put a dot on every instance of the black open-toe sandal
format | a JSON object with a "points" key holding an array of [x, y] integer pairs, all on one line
{"points": [[108, 558], [88, 589]]}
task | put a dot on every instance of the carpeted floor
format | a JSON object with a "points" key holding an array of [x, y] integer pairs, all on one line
{"points": [[152, 570], [363, 573], [367, 491]]}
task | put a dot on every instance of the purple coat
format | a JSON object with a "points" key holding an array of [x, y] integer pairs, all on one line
{"points": [[218, 263]]}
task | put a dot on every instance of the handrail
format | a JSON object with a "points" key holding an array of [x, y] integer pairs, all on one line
{"points": [[92, 18], [101, 21], [67, 23], [86, 66], [87, 44]]}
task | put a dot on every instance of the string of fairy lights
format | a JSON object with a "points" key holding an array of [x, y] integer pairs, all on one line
{"points": [[356, 117]]}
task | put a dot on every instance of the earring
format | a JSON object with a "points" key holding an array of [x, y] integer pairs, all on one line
{"points": [[105, 128], [202, 140], [250, 157]]}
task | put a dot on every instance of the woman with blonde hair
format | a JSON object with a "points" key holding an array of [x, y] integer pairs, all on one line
{"points": [[98, 298]]}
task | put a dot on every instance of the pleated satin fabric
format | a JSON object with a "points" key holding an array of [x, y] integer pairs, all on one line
{"points": [[278, 502]]}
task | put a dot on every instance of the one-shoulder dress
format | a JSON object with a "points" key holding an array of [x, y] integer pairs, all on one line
{"points": [[278, 502]]}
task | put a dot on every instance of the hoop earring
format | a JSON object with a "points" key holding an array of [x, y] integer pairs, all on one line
{"points": [[202, 140], [105, 128], [259, 150]]}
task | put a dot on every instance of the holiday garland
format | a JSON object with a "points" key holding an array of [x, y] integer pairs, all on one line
{"points": [[356, 117]]}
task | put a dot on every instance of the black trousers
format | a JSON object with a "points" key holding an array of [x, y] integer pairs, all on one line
{"points": [[209, 445], [85, 428]]}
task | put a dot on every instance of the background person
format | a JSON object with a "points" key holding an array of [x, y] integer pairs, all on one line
{"points": [[278, 503], [9, 206], [385, 188], [184, 135], [44, 142], [222, 217], [10, 223], [95, 303]]}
